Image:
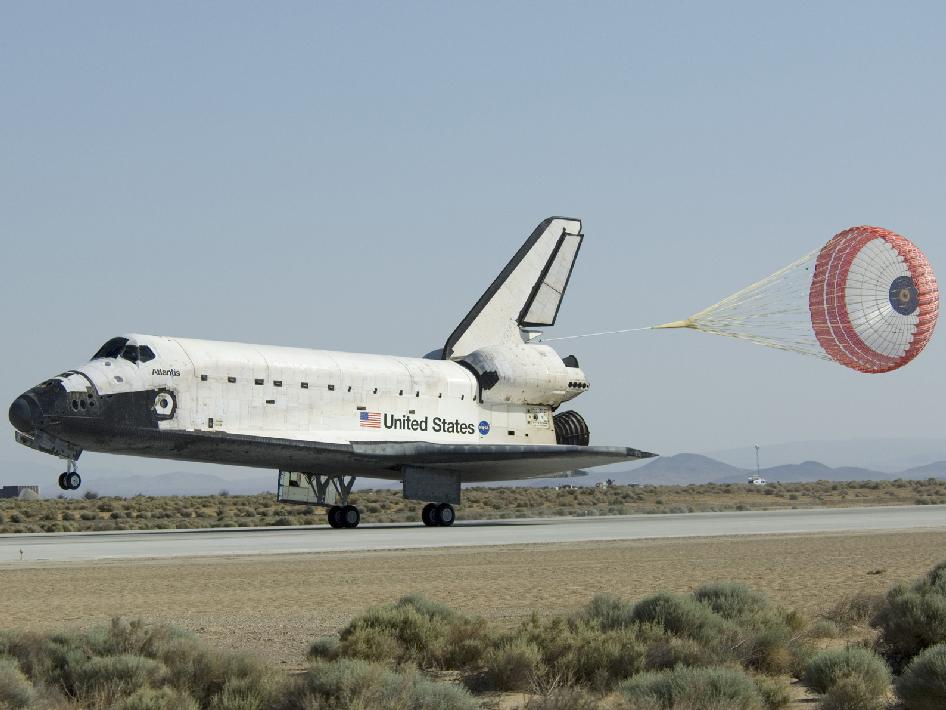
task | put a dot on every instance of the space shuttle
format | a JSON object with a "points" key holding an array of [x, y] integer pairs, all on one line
{"points": [[485, 407]]}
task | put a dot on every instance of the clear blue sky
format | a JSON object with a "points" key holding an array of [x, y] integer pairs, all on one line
{"points": [[351, 176]]}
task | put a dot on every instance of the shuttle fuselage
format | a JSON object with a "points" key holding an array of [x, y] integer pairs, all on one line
{"points": [[119, 401]]}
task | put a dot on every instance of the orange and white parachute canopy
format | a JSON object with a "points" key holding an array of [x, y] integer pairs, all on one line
{"points": [[867, 299]]}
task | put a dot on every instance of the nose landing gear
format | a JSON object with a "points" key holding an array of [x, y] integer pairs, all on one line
{"points": [[70, 480], [435, 515]]}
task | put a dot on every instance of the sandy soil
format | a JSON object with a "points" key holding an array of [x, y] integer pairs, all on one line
{"points": [[276, 606]]}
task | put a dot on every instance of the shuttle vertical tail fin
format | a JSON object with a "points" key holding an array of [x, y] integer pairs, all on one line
{"points": [[527, 293]]}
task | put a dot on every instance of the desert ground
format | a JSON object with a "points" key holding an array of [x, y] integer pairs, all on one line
{"points": [[277, 606]]}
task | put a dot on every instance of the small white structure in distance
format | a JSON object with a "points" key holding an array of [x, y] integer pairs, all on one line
{"points": [[757, 481]]}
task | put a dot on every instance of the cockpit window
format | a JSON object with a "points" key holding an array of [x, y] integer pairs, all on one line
{"points": [[111, 349], [145, 354], [130, 353]]}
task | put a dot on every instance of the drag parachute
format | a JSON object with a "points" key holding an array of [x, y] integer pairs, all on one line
{"points": [[867, 299]]}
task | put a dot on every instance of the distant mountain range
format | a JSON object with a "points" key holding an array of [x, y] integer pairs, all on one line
{"points": [[888, 455], [178, 483], [683, 469]]}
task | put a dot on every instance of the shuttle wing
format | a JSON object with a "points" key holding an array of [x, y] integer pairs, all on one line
{"points": [[384, 459], [493, 462]]}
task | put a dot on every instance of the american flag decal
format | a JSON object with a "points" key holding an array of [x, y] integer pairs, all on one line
{"points": [[370, 420]]}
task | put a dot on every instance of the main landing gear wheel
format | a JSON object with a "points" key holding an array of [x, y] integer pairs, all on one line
{"points": [[350, 516], [344, 516], [435, 515], [446, 514], [333, 516], [427, 514]]}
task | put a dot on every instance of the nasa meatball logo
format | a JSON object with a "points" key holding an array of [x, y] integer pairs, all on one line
{"points": [[484, 428]]}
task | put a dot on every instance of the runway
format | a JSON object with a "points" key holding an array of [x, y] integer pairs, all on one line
{"points": [[82, 547]]}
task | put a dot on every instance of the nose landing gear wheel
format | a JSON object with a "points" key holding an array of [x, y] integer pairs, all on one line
{"points": [[69, 480]]}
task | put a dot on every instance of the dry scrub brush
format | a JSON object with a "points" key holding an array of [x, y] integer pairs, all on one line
{"points": [[595, 650], [913, 617], [134, 666], [857, 670], [923, 684], [692, 688]]}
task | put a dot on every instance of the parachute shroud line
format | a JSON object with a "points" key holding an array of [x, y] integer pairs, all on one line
{"points": [[763, 312]]}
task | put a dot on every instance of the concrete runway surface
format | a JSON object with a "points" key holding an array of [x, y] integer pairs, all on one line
{"points": [[81, 547]]}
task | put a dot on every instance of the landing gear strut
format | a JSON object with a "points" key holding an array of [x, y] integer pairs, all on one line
{"points": [[339, 516], [70, 480], [435, 515]]}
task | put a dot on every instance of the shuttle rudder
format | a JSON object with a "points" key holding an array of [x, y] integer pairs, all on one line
{"points": [[528, 291]]}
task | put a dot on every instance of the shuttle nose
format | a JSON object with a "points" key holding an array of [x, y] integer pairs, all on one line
{"points": [[25, 414]]}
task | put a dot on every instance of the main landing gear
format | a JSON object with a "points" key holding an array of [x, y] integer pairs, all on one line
{"points": [[435, 516], [333, 492], [330, 492], [70, 480]]}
